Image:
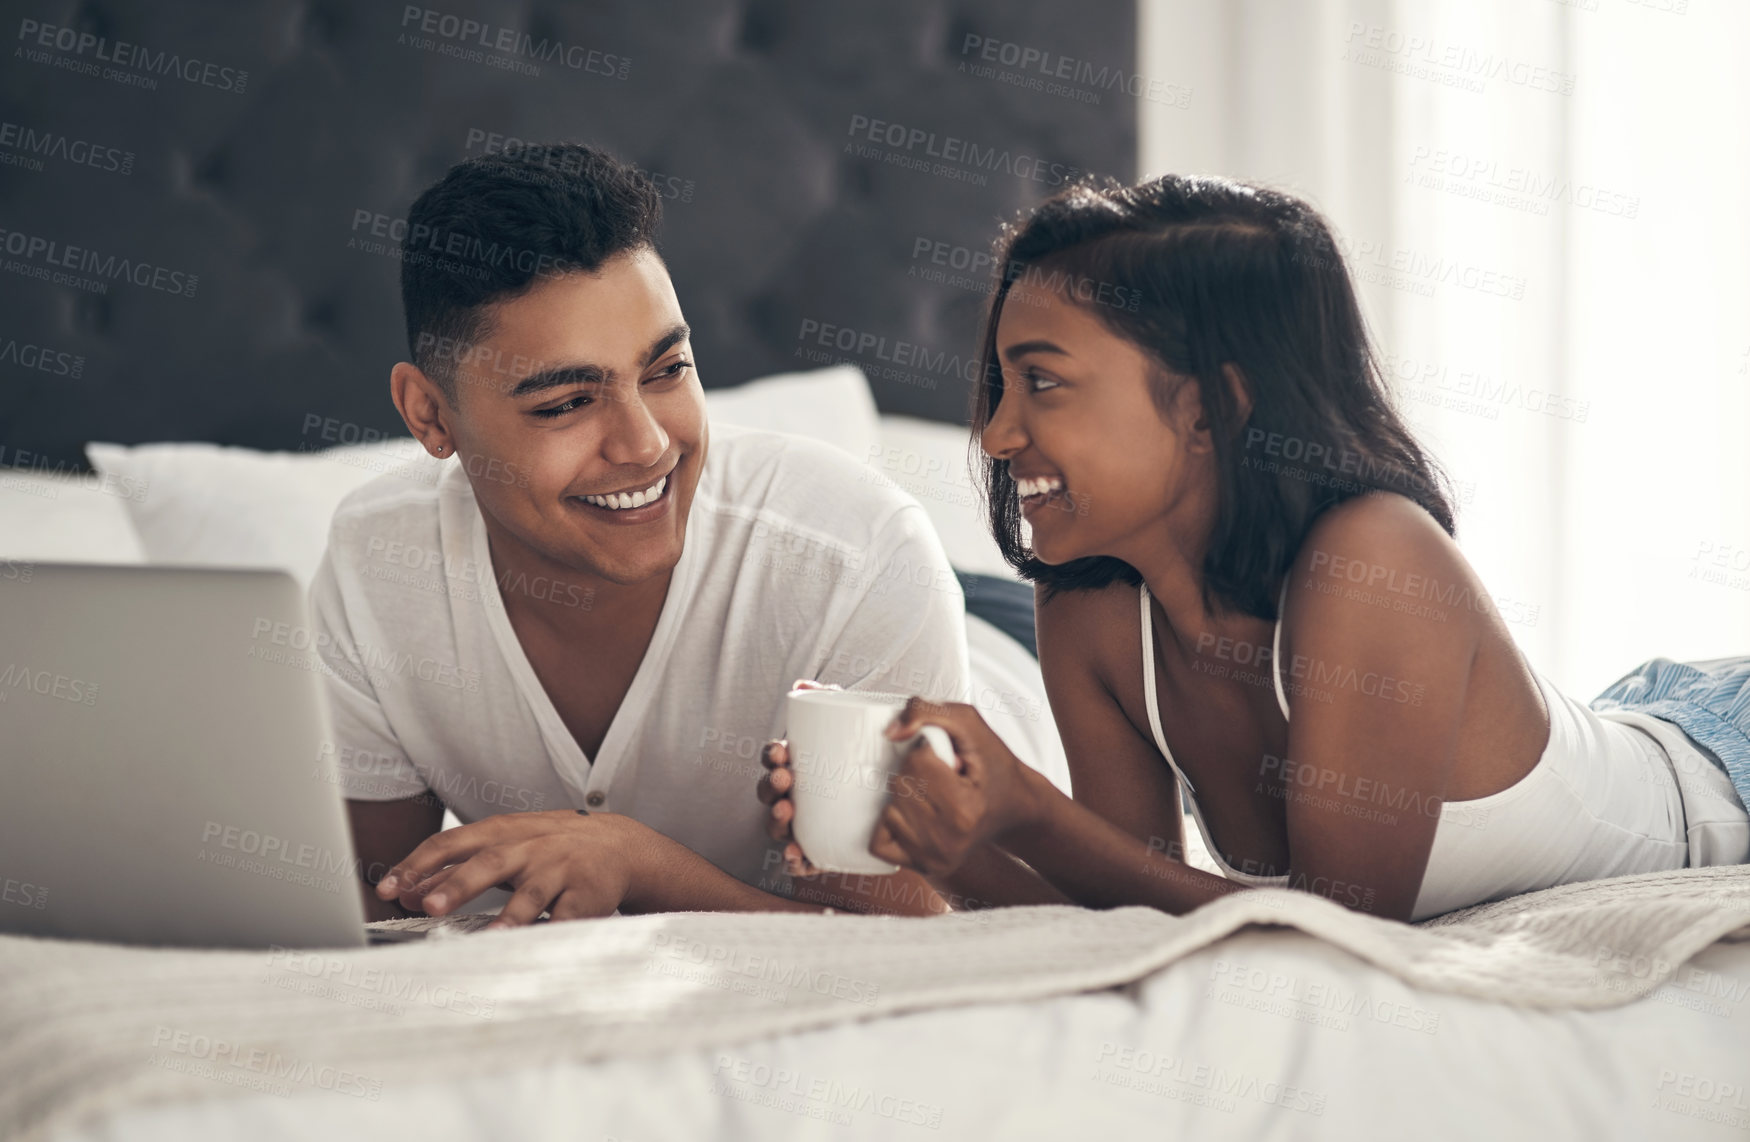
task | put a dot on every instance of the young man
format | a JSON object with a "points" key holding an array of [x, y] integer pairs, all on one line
{"points": [[606, 600]]}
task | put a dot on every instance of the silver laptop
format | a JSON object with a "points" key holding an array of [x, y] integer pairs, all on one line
{"points": [[168, 773]]}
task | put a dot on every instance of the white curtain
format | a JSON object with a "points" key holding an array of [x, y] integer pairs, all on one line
{"points": [[1545, 204]]}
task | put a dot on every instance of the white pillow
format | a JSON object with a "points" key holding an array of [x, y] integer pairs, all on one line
{"points": [[68, 519], [237, 507], [831, 405], [930, 460]]}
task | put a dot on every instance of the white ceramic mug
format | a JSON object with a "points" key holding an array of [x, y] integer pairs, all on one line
{"points": [[843, 766]]}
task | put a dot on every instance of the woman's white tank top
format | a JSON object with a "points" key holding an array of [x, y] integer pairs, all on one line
{"points": [[1615, 793]]}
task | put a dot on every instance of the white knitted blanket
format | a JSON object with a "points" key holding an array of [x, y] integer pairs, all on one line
{"points": [[88, 1029]]}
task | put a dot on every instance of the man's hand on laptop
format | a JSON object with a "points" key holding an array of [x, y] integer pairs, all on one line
{"points": [[569, 864]]}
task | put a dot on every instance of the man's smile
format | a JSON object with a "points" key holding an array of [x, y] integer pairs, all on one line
{"points": [[631, 505]]}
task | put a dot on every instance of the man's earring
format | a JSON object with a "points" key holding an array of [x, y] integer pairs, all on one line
{"points": [[438, 451]]}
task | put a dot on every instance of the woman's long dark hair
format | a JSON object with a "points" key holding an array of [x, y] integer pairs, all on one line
{"points": [[1200, 273]]}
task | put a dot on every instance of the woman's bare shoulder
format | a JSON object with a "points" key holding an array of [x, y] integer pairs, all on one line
{"points": [[1380, 541], [1383, 559], [1097, 627]]}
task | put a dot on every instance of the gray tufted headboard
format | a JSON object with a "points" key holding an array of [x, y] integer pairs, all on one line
{"points": [[199, 200]]}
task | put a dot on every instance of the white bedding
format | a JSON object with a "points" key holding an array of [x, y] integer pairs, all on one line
{"points": [[1034, 1070], [1269, 1028]]}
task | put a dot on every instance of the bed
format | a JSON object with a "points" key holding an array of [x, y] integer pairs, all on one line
{"points": [[1616, 1010]]}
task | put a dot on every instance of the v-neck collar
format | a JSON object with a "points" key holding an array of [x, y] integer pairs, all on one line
{"points": [[575, 768]]}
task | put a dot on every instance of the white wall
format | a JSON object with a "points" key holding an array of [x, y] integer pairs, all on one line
{"points": [[1592, 160]]}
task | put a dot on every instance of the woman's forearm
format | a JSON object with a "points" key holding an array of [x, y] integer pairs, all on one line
{"points": [[992, 878], [1096, 864]]}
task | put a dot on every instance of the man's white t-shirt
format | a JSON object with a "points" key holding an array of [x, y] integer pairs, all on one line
{"points": [[799, 562]]}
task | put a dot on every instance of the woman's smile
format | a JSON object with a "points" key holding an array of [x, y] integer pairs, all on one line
{"points": [[1038, 491]]}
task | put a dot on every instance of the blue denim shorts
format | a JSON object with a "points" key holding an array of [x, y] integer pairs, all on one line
{"points": [[1709, 701]]}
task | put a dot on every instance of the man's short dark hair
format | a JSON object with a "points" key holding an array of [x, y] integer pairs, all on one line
{"points": [[496, 224]]}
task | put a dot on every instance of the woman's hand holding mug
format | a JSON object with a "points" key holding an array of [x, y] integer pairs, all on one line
{"points": [[937, 810], [942, 811]]}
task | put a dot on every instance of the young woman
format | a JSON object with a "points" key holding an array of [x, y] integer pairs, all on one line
{"points": [[1248, 594]]}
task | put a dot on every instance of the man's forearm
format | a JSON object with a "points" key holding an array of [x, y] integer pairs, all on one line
{"points": [[674, 878]]}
